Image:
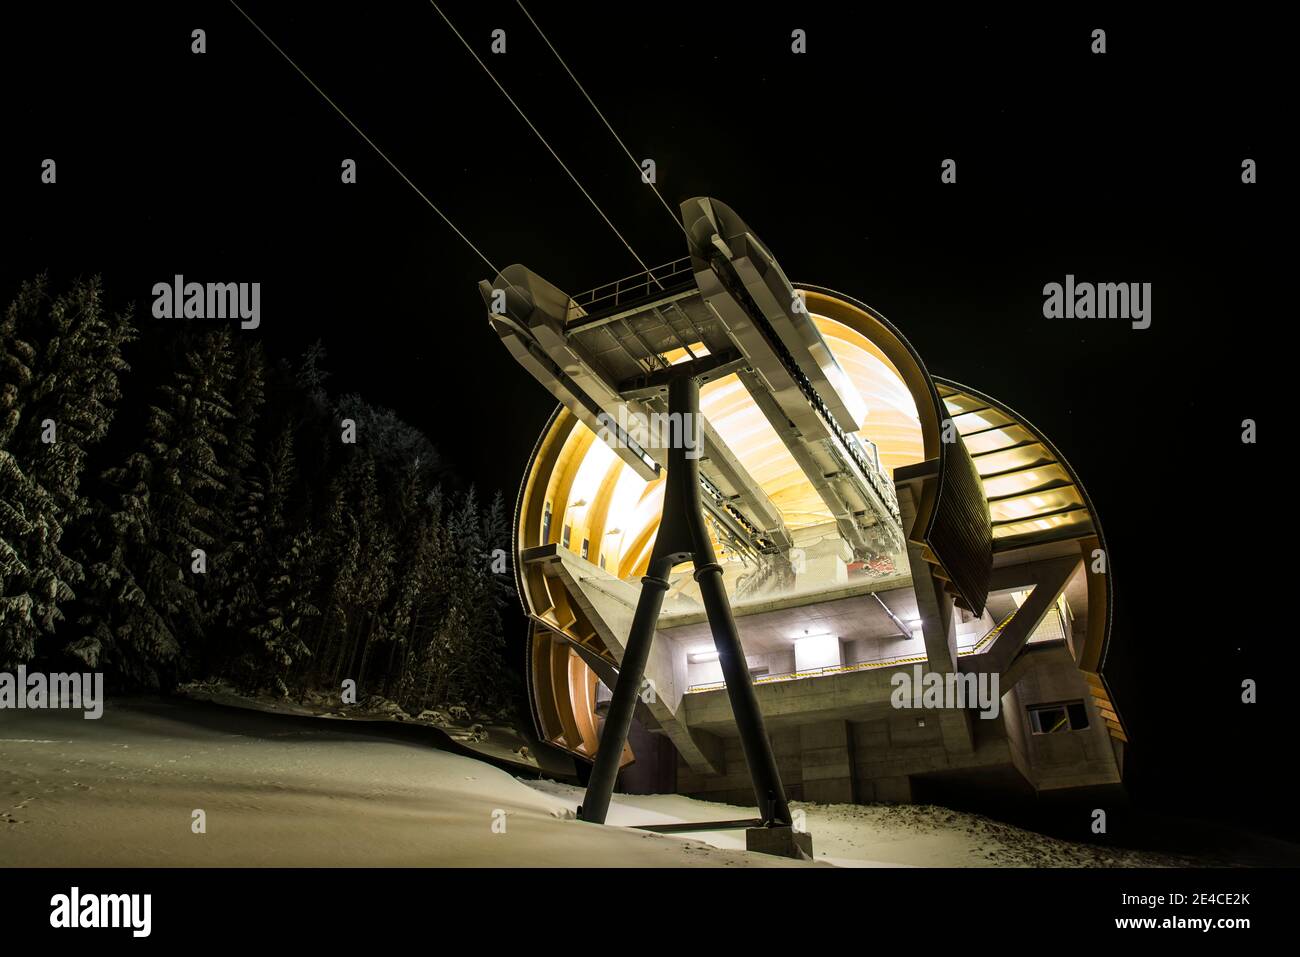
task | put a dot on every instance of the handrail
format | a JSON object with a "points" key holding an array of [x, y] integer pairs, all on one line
{"points": [[861, 451], [993, 633], [816, 672], [869, 664], [635, 286]]}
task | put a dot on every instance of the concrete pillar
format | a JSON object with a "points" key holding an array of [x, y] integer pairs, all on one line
{"points": [[940, 634], [939, 631], [936, 611], [825, 562]]}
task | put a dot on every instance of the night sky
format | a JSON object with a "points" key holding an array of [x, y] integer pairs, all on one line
{"points": [[1124, 167]]}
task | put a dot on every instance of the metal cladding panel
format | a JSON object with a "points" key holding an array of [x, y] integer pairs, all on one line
{"points": [[1100, 586], [961, 532]]}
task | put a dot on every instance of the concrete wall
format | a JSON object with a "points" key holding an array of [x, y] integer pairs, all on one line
{"points": [[973, 628], [655, 769], [1015, 720], [847, 761], [733, 786], [874, 649], [817, 651], [1068, 758], [709, 672], [826, 755], [837, 740]]}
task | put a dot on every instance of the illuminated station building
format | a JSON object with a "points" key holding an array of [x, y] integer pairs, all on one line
{"points": [[869, 517]]}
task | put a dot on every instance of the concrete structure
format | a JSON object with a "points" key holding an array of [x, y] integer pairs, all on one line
{"points": [[876, 525]]}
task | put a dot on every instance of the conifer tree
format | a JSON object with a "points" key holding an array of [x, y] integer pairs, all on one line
{"points": [[394, 444], [147, 612], [414, 575], [275, 570], [76, 385], [246, 396], [357, 565], [277, 634], [34, 573], [430, 560], [378, 557], [62, 359], [360, 551], [240, 529]]}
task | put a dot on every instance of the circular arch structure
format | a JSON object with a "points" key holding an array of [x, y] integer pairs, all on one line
{"points": [[1035, 495], [585, 522]]}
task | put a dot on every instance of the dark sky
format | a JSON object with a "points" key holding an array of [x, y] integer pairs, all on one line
{"points": [[1121, 167]]}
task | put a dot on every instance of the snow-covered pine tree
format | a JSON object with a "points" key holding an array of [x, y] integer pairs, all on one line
{"points": [[413, 574], [496, 537], [393, 443], [243, 568], [501, 691], [359, 551], [247, 395], [470, 637], [438, 659], [275, 572], [378, 558], [339, 549], [76, 385], [34, 573], [445, 662], [311, 374], [147, 612], [303, 400], [277, 634], [31, 579], [62, 360], [18, 355], [236, 510], [430, 560]]}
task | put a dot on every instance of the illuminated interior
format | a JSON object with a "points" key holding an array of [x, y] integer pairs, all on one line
{"points": [[580, 498], [600, 509]]}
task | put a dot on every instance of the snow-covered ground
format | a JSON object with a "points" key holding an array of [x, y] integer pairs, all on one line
{"points": [[480, 734], [851, 835], [121, 791]]}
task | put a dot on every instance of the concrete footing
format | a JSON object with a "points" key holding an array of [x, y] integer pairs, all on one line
{"points": [[783, 841]]}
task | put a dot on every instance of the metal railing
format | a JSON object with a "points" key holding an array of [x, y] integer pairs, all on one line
{"points": [[993, 633], [636, 286], [868, 665], [817, 672], [642, 285]]}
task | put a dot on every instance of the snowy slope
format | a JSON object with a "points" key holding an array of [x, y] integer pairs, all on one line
{"points": [[850, 835], [121, 791]]}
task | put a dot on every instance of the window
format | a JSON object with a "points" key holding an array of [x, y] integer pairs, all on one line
{"points": [[568, 529], [1078, 715], [1056, 718], [586, 547], [546, 523]]}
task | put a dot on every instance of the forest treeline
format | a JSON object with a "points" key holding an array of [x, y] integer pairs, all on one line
{"points": [[231, 530]]}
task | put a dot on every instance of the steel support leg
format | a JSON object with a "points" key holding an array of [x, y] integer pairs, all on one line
{"points": [[609, 754], [684, 535], [768, 790]]}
